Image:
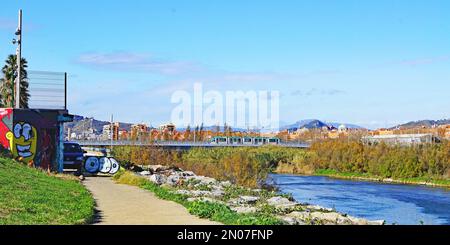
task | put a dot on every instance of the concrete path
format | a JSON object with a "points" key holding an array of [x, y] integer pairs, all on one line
{"points": [[128, 205]]}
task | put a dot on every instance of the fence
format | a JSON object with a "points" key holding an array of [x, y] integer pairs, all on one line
{"points": [[48, 90]]}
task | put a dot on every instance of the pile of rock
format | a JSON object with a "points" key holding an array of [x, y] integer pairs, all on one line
{"points": [[206, 189]]}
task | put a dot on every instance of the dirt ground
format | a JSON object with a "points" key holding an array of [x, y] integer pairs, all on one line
{"points": [[119, 204]]}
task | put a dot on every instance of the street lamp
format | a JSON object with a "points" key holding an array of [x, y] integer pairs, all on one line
{"points": [[18, 41]]}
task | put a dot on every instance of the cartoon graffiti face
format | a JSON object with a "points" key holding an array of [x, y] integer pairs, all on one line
{"points": [[23, 141]]}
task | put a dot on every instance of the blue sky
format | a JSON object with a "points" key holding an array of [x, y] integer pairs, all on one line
{"points": [[372, 63]]}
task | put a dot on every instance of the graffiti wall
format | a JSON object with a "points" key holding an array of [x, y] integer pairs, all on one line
{"points": [[31, 135]]}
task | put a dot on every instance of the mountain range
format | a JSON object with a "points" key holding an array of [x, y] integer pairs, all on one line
{"points": [[423, 123], [82, 124], [315, 123]]}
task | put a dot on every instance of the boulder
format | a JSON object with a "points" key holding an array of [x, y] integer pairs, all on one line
{"points": [[173, 180], [244, 209], [158, 179], [203, 199], [183, 192], [282, 203], [203, 180], [319, 208], [243, 200], [291, 221], [249, 199], [145, 173], [225, 183], [187, 174], [274, 201], [158, 168]]}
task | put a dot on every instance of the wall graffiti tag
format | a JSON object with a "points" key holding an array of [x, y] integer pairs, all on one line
{"points": [[105, 165], [23, 141]]}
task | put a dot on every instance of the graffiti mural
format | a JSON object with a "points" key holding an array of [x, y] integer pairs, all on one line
{"points": [[6, 120], [23, 141], [33, 136]]}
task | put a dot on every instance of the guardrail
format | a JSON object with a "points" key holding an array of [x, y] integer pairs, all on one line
{"points": [[177, 144]]}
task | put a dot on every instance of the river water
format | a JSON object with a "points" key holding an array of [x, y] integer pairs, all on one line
{"points": [[395, 203]]}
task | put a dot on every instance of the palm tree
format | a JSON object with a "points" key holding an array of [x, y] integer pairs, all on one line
{"points": [[7, 83]]}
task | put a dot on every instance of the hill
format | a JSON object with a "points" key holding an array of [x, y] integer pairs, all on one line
{"points": [[424, 123], [315, 123]]}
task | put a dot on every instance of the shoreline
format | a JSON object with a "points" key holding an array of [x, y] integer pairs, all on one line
{"points": [[231, 204], [380, 180]]}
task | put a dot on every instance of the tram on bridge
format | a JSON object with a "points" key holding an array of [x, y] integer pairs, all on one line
{"points": [[246, 140]]}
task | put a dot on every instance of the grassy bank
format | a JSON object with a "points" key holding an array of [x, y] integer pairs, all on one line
{"points": [[31, 196], [207, 210]]}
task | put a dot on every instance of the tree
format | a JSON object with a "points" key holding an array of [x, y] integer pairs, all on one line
{"points": [[7, 83]]}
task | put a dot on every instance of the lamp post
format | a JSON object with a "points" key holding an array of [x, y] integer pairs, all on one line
{"points": [[19, 59]]}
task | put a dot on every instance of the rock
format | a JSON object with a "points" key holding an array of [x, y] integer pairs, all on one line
{"points": [[135, 168], [203, 180], [331, 218], [158, 179], [360, 221], [158, 168], [243, 200], [145, 173], [217, 193], [376, 222], [183, 192], [203, 199], [319, 208], [225, 183], [187, 173], [282, 203], [173, 180], [81, 177], [274, 201], [244, 209], [249, 199], [291, 221]]}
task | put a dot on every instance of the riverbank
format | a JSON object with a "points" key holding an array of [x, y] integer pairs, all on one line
{"points": [[30, 196], [372, 178], [230, 204]]}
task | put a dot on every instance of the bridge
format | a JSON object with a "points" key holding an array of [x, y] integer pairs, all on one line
{"points": [[175, 144]]}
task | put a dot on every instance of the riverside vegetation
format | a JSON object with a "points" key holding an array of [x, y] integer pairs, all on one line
{"points": [[249, 167]]}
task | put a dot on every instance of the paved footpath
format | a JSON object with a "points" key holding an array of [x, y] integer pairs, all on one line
{"points": [[119, 204]]}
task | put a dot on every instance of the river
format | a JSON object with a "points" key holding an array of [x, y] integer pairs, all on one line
{"points": [[395, 203]]}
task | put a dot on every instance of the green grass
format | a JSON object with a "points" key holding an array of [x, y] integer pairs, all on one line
{"points": [[207, 210], [31, 196], [365, 176]]}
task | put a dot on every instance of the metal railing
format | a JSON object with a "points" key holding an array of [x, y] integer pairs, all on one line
{"points": [[48, 90]]}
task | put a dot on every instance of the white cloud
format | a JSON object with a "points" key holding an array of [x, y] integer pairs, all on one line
{"points": [[133, 62]]}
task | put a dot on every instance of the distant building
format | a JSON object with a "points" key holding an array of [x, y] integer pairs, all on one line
{"points": [[384, 132], [170, 127], [401, 139], [111, 131], [138, 129]]}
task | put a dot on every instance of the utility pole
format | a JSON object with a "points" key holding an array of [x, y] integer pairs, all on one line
{"points": [[19, 59], [111, 132]]}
